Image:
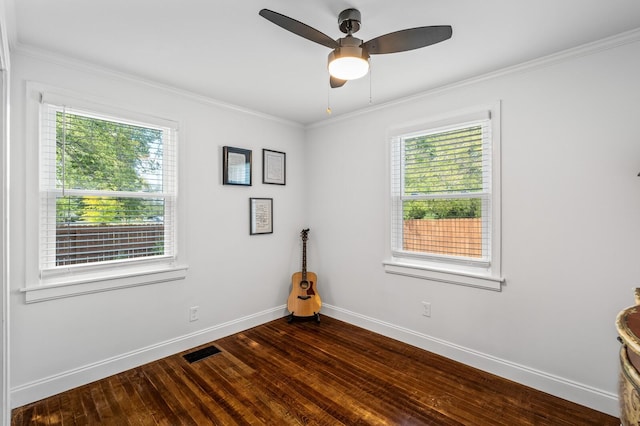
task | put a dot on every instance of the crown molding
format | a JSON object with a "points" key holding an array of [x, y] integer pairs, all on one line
{"points": [[83, 66], [632, 36], [608, 43]]}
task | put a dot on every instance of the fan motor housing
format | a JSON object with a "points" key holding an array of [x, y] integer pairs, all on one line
{"points": [[349, 21], [349, 47]]}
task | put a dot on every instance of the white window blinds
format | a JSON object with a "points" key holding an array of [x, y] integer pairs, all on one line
{"points": [[441, 193], [107, 189]]}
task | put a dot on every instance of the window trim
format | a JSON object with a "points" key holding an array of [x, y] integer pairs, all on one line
{"points": [[73, 281], [87, 283], [486, 275]]}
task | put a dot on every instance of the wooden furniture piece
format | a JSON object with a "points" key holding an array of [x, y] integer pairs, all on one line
{"points": [[628, 325]]}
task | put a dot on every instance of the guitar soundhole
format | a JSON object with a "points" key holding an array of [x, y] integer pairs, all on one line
{"points": [[304, 285]]}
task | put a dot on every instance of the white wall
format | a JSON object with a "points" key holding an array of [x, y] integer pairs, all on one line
{"points": [[570, 232], [237, 280], [571, 225]]}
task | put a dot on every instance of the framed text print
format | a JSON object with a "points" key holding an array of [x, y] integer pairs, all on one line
{"points": [[260, 216], [236, 166], [274, 167]]}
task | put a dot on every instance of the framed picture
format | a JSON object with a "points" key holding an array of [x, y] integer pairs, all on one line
{"points": [[274, 167], [261, 216], [236, 166]]}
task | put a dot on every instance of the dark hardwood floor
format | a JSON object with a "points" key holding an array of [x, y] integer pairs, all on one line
{"points": [[305, 373]]}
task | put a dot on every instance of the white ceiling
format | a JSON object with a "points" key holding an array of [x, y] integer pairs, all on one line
{"points": [[226, 51]]}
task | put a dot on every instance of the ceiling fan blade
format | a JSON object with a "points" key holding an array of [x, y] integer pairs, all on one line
{"points": [[336, 82], [409, 39], [297, 27]]}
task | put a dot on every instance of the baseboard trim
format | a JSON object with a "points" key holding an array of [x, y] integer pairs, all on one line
{"points": [[52, 385], [579, 393], [591, 397]]}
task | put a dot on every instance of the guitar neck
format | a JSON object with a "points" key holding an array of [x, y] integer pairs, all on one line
{"points": [[304, 260]]}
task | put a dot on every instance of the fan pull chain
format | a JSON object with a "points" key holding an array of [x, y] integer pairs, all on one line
{"points": [[328, 101]]}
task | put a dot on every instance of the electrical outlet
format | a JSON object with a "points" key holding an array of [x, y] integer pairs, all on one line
{"points": [[427, 309], [193, 313]]}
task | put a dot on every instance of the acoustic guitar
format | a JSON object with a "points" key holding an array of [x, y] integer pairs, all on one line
{"points": [[304, 300]]}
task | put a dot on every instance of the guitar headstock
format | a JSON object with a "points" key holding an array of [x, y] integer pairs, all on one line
{"points": [[304, 234]]}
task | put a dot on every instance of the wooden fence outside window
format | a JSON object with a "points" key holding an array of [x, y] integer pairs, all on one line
{"points": [[96, 243], [455, 237], [91, 243]]}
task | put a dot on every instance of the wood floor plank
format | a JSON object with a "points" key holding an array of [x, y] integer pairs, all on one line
{"points": [[67, 415], [235, 381], [222, 410], [120, 402], [273, 364], [336, 376], [54, 411], [305, 373], [88, 405], [77, 413], [201, 409], [139, 413], [170, 395], [370, 377]]}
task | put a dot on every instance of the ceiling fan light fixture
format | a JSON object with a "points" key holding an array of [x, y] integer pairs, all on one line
{"points": [[349, 59], [348, 63]]}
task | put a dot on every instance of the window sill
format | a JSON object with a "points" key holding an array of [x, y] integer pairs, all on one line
{"points": [[70, 286], [469, 279]]}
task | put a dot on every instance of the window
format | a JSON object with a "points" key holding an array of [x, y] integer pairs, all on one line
{"points": [[445, 200], [107, 200]]}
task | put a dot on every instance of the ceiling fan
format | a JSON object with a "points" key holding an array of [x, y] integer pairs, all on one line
{"points": [[349, 58]]}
